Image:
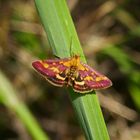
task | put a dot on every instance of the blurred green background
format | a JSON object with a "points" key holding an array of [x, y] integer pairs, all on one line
{"points": [[109, 32]]}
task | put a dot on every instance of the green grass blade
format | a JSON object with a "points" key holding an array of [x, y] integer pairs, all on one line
{"points": [[9, 99], [60, 30]]}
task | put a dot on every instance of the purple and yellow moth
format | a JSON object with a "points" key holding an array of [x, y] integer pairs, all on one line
{"points": [[72, 72]]}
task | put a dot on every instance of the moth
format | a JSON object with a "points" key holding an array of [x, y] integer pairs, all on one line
{"points": [[72, 72]]}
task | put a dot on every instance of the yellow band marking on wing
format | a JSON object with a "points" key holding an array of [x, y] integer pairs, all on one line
{"points": [[60, 77], [58, 85], [80, 83], [67, 64]]}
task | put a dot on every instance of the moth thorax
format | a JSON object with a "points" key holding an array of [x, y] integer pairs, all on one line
{"points": [[73, 71]]}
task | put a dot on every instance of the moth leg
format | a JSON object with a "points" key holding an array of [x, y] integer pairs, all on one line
{"points": [[57, 56]]}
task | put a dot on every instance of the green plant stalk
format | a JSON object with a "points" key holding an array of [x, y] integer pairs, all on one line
{"points": [[59, 27], [9, 99]]}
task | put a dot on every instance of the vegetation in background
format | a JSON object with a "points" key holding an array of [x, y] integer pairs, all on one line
{"points": [[109, 32]]}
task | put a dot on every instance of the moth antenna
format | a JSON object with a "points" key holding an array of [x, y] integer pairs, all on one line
{"points": [[71, 53]]}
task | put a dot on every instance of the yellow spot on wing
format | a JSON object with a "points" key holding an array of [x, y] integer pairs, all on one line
{"points": [[104, 78], [88, 78], [44, 64], [93, 73], [100, 78], [54, 69], [53, 63]]}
